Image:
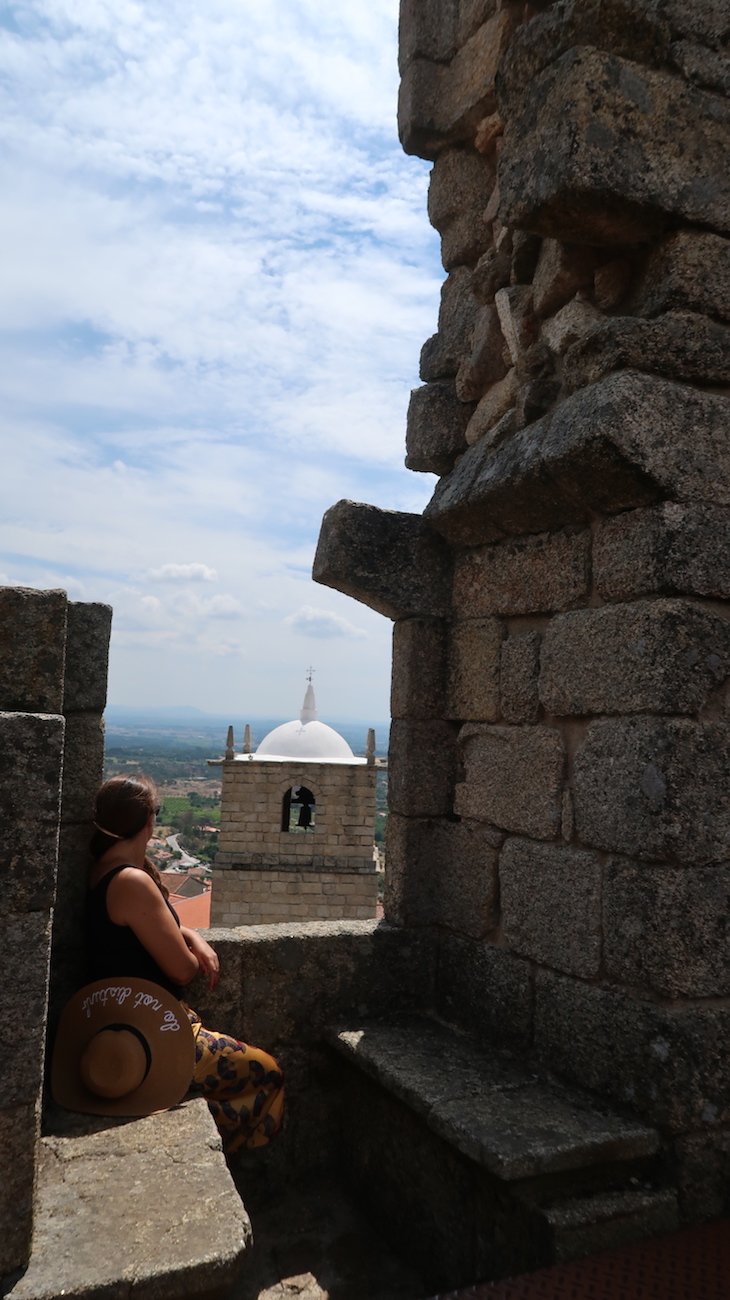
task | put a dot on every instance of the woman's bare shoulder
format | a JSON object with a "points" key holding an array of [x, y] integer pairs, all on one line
{"points": [[133, 882]]}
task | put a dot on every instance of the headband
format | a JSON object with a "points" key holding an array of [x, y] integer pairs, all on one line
{"points": [[111, 834]]}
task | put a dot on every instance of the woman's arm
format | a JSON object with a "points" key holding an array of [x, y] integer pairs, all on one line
{"points": [[207, 957], [133, 899]]}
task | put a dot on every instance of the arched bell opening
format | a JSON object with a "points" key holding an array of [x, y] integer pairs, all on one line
{"points": [[298, 809]]}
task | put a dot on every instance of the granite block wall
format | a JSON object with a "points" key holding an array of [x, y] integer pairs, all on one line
{"points": [[560, 752], [50, 760]]}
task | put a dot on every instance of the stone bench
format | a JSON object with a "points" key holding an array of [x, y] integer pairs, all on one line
{"points": [[143, 1208], [474, 1164]]}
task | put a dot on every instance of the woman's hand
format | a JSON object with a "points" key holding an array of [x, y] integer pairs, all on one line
{"points": [[208, 962]]}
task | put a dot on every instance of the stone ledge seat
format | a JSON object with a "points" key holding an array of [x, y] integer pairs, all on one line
{"points": [[143, 1209], [549, 1161]]}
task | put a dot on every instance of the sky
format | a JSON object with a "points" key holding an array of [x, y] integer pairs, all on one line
{"points": [[216, 276]]}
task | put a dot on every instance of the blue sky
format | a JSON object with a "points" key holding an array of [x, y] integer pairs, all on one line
{"points": [[217, 274]]}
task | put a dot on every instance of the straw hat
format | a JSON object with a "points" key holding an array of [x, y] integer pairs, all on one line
{"points": [[124, 1047]]}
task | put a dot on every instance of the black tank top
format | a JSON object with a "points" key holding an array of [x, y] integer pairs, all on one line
{"points": [[114, 950]]}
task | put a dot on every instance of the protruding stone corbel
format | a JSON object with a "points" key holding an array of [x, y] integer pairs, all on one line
{"points": [[392, 561]]}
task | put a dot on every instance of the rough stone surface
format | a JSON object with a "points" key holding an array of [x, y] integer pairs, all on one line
{"points": [[171, 1195], [660, 656], [286, 983], [83, 762], [538, 575], [499, 398], [472, 13], [26, 943], [443, 353], [701, 66], [666, 548], [484, 364], [687, 271], [562, 271], [468, 86], [442, 872], [492, 272], [664, 775], [611, 283], [440, 1182], [517, 320], [551, 905], [667, 929], [419, 668], [621, 443], [703, 1175], [625, 27], [461, 182], [563, 331], [513, 778], [427, 30], [31, 750], [602, 150], [68, 945], [486, 1106], [421, 767], [680, 345], [389, 560], [525, 253], [667, 1064], [418, 94], [518, 680], [32, 649], [437, 110], [435, 428], [607, 1220], [707, 22], [87, 656], [19, 1132], [485, 990], [473, 680]]}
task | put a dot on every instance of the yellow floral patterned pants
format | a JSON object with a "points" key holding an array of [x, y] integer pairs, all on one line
{"points": [[243, 1086]]}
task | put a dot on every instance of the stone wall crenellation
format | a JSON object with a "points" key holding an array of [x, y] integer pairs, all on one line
{"points": [[53, 658]]}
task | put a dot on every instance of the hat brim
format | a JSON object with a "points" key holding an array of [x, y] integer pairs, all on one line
{"points": [[150, 1010]]}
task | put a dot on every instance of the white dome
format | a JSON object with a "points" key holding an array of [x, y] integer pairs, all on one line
{"points": [[312, 741], [306, 740]]}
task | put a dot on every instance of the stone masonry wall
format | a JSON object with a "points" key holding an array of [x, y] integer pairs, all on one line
{"points": [[52, 685], [265, 897], [263, 874], [560, 748]]}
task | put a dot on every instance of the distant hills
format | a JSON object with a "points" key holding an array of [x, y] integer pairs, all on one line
{"points": [[186, 726], [178, 715]]}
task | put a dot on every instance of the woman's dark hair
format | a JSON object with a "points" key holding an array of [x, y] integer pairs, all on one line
{"points": [[123, 806]]}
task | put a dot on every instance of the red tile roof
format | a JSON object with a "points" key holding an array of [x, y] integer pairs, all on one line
{"points": [[193, 912]]}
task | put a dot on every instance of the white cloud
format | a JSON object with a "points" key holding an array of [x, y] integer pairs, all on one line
{"points": [[218, 273], [183, 573], [322, 623], [223, 607]]}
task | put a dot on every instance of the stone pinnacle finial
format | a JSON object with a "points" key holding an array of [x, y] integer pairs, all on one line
{"points": [[370, 750], [309, 707], [247, 739], [229, 744]]}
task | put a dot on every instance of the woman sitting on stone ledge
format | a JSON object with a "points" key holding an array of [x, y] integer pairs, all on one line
{"points": [[133, 931]]}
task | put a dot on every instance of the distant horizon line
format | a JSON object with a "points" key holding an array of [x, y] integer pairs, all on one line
{"points": [[192, 713]]}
